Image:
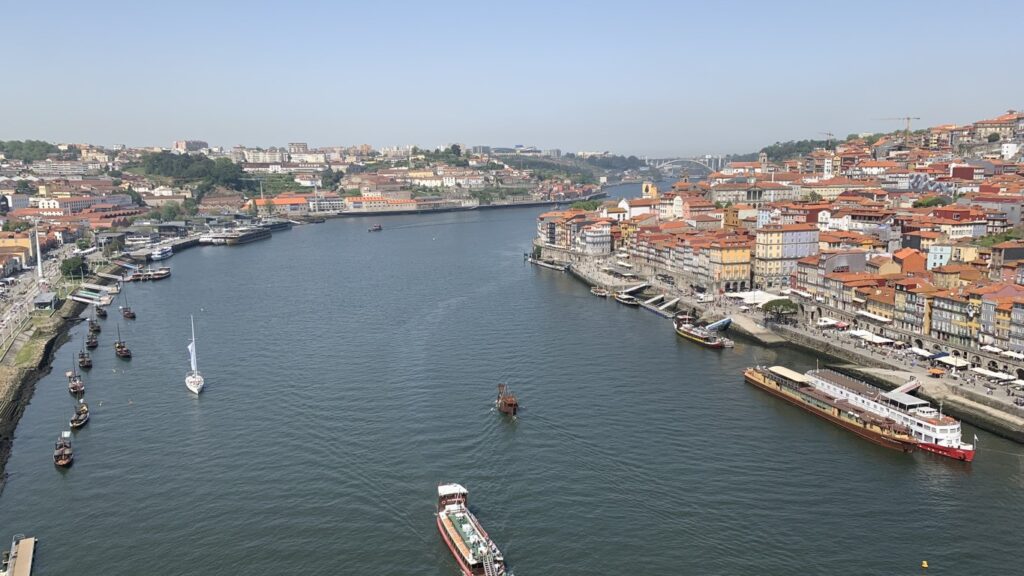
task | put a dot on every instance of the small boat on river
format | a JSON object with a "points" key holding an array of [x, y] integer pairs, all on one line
{"points": [[75, 384], [688, 328], [126, 311], [121, 348], [598, 291], [81, 416], [627, 299], [91, 341], [506, 403], [63, 455], [101, 312], [375, 228], [194, 380]]}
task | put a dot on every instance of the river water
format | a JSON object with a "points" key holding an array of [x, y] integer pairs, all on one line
{"points": [[348, 373]]}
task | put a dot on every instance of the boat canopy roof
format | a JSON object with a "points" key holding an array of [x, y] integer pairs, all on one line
{"points": [[451, 490], [905, 399], [788, 374]]}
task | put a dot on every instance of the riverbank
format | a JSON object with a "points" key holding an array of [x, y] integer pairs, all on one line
{"points": [[959, 399], [28, 360]]}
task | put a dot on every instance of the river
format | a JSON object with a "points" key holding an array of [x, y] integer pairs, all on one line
{"points": [[348, 373]]}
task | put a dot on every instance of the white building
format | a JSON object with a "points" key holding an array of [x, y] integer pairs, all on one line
{"points": [[596, 239]]}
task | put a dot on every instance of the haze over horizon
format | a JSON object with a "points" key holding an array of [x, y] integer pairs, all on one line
{"points": [[643, 78]]}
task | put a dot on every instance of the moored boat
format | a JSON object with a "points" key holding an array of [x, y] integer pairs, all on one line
{"points": [[506, 403], [91, 341], [246, 234], [627, 299], [121, 348], [76, 385], [101, 312], [161, 253], [932, 431], [81, 416], [126, 311], [84, 360], [468, 542], [275, 224], [598, 291], [94, 327], [63, 455], [687, 327], [800, 390]]}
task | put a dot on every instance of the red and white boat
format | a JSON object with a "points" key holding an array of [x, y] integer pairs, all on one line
{"points": [[933, 431], [469, 543]]}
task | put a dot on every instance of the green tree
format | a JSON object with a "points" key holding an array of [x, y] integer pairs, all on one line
{"points": [[136, 198], [170, 211], [74, 266], [28, 150], [329, 179], [588, 205], [993, 137], [932, 201], [16, 226], [456, 150], [814, 196], [23, 187], [82, 243]]}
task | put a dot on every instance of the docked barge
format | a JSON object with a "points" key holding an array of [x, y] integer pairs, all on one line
{"points": [[800, 390]]}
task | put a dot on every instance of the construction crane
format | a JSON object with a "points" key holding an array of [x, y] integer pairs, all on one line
{"points": [[831, 137], [906, 131]]}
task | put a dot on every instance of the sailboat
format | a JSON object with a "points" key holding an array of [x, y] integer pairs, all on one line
{"points": [[84, 358], [121, 347], [75, 384], [126, 310], [194, 380]]}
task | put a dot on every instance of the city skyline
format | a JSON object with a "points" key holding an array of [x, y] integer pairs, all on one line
{"points": [[631, 79]]}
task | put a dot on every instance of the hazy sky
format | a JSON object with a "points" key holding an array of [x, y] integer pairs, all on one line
{"points": [[656, 78]]}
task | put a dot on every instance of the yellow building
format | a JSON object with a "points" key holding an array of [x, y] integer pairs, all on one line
{"points": [[18, 240], [729, 260], [650, 190]]}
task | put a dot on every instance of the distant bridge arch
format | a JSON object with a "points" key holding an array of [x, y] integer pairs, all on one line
{"points": [[705, 165]]}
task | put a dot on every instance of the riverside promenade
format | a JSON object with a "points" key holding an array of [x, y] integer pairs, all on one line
{"points": [[963, 396]]}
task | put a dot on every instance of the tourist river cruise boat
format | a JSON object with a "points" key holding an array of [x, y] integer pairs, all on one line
{"points": [[931, 430], [627, 299], [687, 327], [161, 253], [802, 390], [469, 543]]}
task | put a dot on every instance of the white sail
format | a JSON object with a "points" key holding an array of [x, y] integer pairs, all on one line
{"points": [[192, 354]]}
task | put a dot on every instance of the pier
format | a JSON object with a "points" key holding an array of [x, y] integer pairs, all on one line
{"points": [[22, 555]]}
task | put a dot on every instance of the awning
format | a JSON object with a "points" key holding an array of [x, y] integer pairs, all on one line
{"points": [[800, 293], [936, 371], [871, 316], [1001, 376], [869, 337], [1012, 354], [827, 322], [920, 352], [993, 349], [953, 361]]}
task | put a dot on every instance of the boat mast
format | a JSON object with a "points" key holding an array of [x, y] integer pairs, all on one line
{"points": [[192, 348]]}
